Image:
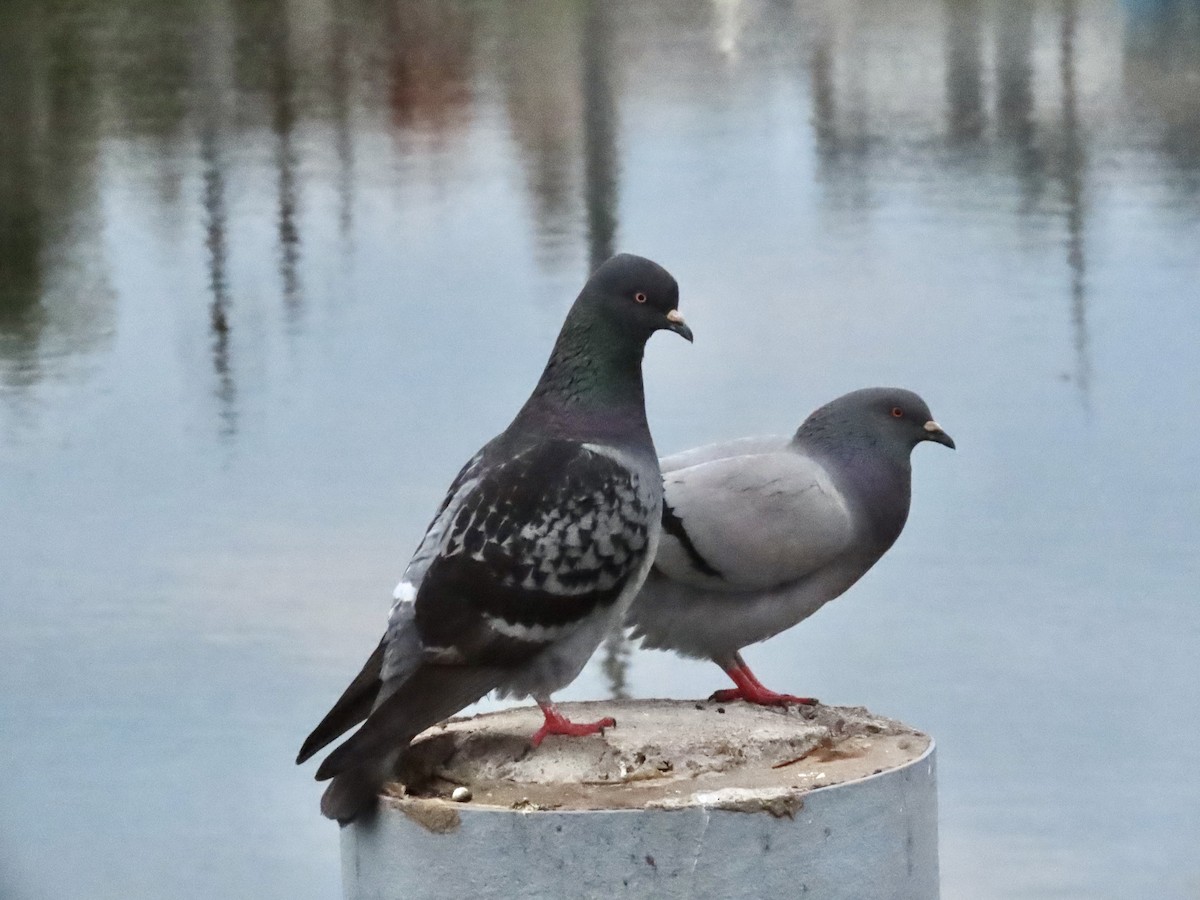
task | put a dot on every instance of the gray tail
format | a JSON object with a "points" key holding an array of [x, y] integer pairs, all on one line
{"points": [[351, 708], [361, 765]]}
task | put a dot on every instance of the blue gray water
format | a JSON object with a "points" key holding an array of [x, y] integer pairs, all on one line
{"points": [[270, 270]]}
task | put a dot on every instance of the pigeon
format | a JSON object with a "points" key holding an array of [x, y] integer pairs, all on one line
{"points": [[539, 546], [760, 533]]}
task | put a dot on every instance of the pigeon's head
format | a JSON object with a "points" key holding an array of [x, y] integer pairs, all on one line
{"points": [[886, 417], [637, 294]]}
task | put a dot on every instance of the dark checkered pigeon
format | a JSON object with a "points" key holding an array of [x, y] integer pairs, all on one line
{"points": [[542, 541]]}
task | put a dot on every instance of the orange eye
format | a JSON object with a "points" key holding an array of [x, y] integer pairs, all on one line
{"points": [[639, 297], [897, 412]]}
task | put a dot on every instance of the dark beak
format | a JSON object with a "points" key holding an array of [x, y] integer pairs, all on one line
{"points": [[677, 325], [933, 432]]}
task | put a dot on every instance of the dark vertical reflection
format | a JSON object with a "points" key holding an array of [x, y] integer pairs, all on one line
{"points": [[1014, 71], [544, 99], [844, 132], [340, 84], [821, 84], [213, 60], [22, 237], [1073, 167], [282, 95], [215, 218], [964, 72], [52, 302], [149, 58], [1161, 61], [1014, 92], [599, 132]]}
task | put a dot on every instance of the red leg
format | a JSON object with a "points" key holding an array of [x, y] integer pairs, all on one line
{"points": [[557, 723], [750, 689]]}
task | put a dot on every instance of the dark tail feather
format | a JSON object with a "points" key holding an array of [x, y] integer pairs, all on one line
{"points": [[431, 694], [351, 708], [352, 793]]}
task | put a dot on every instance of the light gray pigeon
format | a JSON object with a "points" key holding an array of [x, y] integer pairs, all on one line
{"points": [[539, 546], [760, 533]]}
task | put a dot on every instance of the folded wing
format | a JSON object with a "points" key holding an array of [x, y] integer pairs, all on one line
{"points": [[747, 446], [751, 522]]}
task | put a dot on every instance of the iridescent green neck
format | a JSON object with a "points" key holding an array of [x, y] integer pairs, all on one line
{"points": [[593, 380]]}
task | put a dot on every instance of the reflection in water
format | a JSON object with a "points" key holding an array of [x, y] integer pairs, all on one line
{"points": [[430, 57], [22, 223], [842, 120], [1015, 117], [213, 76], [1043, 146], [218, 281], [728, 20], [544, 104], [1073, 165], [1016, 113], [53, 298], [562, 100], [822, 99], [599, 132], [964, 72], [1162, 76], [282, 93], [341, 87]]}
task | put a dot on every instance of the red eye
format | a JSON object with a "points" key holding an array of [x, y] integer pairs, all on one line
{"points": [[639, 297], [897, 412]]}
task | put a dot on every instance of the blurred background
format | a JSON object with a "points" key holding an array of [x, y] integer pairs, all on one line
{"points": [[271, 270]]}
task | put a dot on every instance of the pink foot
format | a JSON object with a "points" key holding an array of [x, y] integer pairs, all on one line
{"points": [[557, 723], [750, 689]]}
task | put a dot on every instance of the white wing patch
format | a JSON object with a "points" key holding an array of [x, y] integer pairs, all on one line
{"points": [[432, 544], [536, 634]]}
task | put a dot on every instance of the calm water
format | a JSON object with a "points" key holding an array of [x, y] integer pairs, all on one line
{"points": [[270, 271]]}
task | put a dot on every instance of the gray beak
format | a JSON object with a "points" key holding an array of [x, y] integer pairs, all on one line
{"points": [[679, 326], [933, 432]]}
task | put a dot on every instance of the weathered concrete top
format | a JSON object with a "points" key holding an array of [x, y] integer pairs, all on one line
{"points": [[662, 754]]}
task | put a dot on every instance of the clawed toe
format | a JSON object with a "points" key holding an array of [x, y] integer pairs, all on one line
{"points": [[557, 723]]}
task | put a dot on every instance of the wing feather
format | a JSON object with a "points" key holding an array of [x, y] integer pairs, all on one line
{"points": [[757, 521], [526, 550], [747, 446]]}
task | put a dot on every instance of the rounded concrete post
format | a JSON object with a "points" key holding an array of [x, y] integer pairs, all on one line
{"points": [[681, 799]]}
